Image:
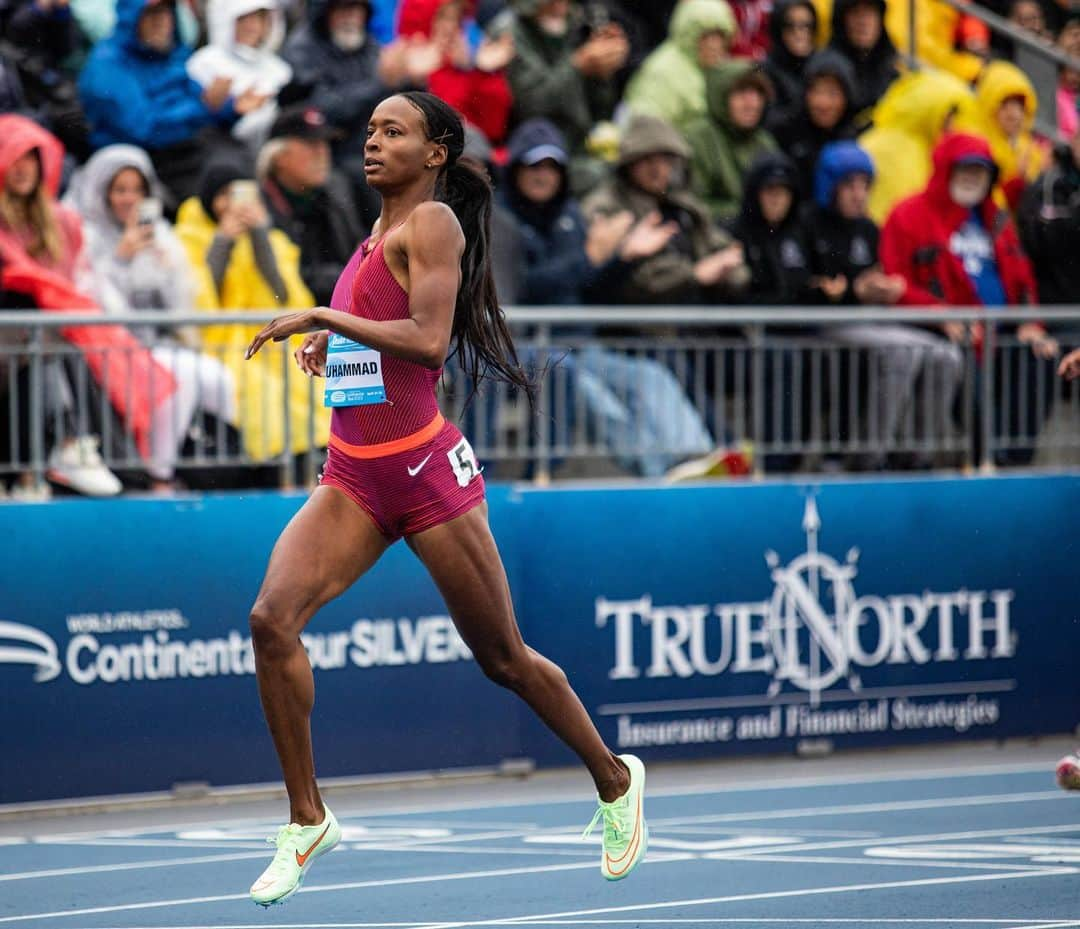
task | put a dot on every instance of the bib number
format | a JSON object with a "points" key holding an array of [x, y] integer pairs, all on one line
{"points": [[463, 461], [354, 375]]}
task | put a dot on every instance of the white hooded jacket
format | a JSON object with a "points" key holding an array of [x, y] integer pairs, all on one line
{"points": [[158, 277], [259, 69]]}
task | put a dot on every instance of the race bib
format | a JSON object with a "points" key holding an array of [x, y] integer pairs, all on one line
{"points": [[354, 374]]}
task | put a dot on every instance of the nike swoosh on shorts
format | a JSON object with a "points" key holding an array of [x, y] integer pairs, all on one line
{"points": [[414, 471]]}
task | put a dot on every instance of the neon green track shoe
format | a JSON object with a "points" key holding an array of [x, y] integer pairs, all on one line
{"points": [[297, 848], [626, 834]]}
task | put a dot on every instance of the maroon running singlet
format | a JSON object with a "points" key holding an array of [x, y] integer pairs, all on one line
{"points": [[398, 459]]}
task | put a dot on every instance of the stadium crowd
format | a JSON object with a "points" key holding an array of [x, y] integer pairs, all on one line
{"points": [[162, 155]]}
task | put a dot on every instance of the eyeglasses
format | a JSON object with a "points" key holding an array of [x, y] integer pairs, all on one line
{"points": [[798, 25]]}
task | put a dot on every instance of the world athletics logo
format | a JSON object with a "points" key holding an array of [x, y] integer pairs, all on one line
{"points": [[813, 632]]}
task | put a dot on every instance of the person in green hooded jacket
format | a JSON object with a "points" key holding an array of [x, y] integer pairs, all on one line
{"points": [[671, 82], [725, 142]]}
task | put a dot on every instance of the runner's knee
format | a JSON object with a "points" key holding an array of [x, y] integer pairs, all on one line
{"points": [[272, 629], [504, 665]]}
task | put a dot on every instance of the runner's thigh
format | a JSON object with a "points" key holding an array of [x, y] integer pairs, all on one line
{"points": [[325, 548], [464, 563]]}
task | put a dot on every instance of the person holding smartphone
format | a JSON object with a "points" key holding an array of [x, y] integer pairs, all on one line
{"points": [[138, 264], [241, 262]]}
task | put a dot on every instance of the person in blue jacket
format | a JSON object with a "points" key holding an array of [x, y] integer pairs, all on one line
{"points": [[135, 89]]}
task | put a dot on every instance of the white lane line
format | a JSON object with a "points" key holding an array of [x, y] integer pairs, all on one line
{"points": [[351, 885], [862, 862], [708, 920], [1065, 925], [129, 866], [891, 806], [151, 843], [767, 895], [922, 837], [714, 831]]}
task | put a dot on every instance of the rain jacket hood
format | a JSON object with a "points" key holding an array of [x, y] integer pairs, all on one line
{"points": [[1000, 81], [221, 17], [126, 32], [832, 64], [779, 51], [771, 168], [951, 150], [650, 135], [694, 18], [838, 160], [921, 102], [316, 15], [884, 46], [416, 17], [90, 187], [19, 136], [722, 80]]}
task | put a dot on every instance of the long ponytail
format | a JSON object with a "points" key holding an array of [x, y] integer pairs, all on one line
{"points": [[479, 337]]}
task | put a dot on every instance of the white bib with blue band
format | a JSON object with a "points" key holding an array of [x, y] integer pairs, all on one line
{"points": [[354, 374]]}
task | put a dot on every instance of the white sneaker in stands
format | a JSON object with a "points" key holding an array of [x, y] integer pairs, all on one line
{"points": [[77, 465]]}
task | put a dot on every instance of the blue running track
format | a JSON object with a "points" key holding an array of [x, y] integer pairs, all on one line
{"points": [[975, 849]]}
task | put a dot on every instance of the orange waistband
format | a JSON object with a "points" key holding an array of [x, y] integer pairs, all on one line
{"points": [[394, 447]]}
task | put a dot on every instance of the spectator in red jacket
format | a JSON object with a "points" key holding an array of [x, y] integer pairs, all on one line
{"points": [[954, 246], [951, 242], [474, 85]]}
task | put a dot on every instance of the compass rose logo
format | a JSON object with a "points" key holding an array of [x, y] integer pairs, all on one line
{"points": [[810, 615]]}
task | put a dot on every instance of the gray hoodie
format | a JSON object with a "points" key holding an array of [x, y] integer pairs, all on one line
{"points": [[158, 277]]}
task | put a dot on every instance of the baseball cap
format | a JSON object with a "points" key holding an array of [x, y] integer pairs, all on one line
{"points": [[981, 160], [303, 122], [538, 153]]}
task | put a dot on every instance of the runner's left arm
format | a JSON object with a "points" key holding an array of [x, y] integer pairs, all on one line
{"points": [[433, 244]]}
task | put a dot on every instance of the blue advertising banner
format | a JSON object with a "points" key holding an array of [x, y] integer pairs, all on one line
{"points": [[126, 662], [696, 621], [705, 620]]}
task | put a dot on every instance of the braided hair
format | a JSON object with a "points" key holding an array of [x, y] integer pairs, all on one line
{"points": [[480, 336]]}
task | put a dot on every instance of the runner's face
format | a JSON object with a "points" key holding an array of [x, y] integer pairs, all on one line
{"points": [[398, 151]]}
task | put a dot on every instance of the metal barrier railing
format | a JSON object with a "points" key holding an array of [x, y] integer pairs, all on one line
{"points": [[640, 390]]}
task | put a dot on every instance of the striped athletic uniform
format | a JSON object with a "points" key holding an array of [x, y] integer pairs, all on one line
{"points": [[399, 460]]}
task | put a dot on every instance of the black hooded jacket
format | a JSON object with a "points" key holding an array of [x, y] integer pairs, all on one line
{"points": [[778, 256], [1049, 221], [784, 69], [324, 225], [345, 86], [874, 70], [799, 137]]}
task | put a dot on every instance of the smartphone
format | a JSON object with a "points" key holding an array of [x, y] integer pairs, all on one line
{"points": [[149, 211], [242, 192]]}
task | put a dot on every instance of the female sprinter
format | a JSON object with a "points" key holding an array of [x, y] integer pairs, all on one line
{"points": [[421, 284]]}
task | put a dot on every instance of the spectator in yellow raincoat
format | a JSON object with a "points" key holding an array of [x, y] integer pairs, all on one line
{"points": [[935, 26], [242, 263], [1007, 105], [907, 123]]}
